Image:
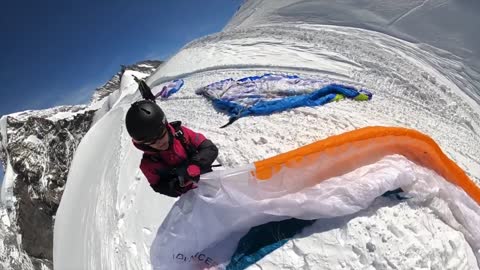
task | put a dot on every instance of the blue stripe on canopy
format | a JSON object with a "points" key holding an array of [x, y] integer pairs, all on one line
{"points": [[263, 239], [316, 98]]}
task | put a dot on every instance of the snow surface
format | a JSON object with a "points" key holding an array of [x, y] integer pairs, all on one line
{"points": [[109, 216], [386, 236], [6, 191]]}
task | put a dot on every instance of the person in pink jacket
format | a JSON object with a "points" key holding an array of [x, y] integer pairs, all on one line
{"points": [[174, 156]]}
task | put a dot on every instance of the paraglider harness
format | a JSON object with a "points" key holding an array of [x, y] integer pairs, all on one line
{"points": [[147, 94], [189, 149]]}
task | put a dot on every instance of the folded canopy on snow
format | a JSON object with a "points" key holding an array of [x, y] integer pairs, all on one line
{"points": [[161, 91], [338, 176], [167, 89], [269, 93]]}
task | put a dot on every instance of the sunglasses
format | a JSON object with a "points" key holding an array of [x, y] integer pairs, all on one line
{"points": [[153, 140]]}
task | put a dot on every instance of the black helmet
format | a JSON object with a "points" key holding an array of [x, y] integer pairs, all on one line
{"points": [[145, 120]]}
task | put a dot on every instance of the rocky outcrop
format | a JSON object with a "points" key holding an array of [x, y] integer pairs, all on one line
{"points": [[40, 148], [113, 84]]}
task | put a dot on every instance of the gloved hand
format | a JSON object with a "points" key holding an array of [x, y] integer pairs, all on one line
{"points": [[186, 186], [188, 172], [193, 171], [173, 188], [170, 188], [176, 181], [188, 176]]}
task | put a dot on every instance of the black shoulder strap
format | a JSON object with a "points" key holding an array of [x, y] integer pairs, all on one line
{"points": [[144, 89], [177, 126]]}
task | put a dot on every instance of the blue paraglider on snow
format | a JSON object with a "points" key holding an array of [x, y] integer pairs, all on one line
{"points": [[267, 94], [166, 90]]}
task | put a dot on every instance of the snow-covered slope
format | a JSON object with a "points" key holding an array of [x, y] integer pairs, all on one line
{"points": [[447, 25], [414, 85]]}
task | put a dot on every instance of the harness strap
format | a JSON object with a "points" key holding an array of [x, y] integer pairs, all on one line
{"points": [[189, 149]]}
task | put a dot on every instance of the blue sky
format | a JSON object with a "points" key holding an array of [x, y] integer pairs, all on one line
{"points": [[57, 52]]}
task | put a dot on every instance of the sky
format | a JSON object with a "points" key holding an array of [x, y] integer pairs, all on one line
{"points": [[57, 52]]}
